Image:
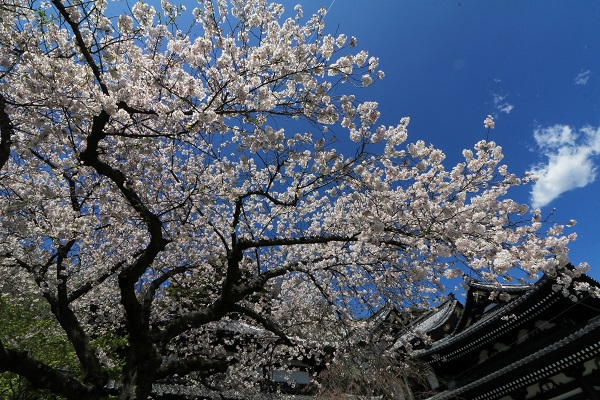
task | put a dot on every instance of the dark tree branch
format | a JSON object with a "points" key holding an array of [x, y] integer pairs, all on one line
{"points": [[217, 310], [61, 273], [272, 199], [90, 157], [155, 284], [81, 44], [89, 285], [182, 367], [142, 358], [42, 376], [193, 320], [257, 284], [268, 325], [6, 132], [245, 244], [59, 305], [72, 191], [132, 110]]}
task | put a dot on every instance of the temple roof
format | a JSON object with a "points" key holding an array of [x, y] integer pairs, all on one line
{"points": [[504, 345], [487, 319], [436, 317], [431, 321], [497, 287], [547, 367]]}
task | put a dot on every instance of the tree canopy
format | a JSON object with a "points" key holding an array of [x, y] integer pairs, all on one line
{"points": [[168, 172]]}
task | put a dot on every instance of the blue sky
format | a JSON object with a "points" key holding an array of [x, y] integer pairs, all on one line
{"points": [[533, 65]]}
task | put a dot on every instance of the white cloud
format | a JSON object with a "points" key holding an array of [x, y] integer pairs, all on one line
{"points": [[555, 137], [500, 104], [583, 77], [570, 163], [507, 108]]}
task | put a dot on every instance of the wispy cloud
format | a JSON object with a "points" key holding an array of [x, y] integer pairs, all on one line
{"points": [[571, 161], [583, 77], [501, 105], [499, 96], [506, 108]]}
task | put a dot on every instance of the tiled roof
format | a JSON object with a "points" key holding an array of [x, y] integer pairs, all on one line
{"points": [[535, 375], [508, 288], [429, 322], [491, 317]]}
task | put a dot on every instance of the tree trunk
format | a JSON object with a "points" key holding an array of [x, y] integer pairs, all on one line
{"points": [[139, 373]]}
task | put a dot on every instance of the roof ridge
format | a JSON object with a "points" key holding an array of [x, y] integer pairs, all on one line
{"points": [[475, 327], [593, 324]]}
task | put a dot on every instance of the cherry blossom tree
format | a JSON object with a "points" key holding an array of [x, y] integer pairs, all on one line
{"points": [[166, 174]]}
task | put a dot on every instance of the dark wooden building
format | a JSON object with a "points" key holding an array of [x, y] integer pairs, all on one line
{"points": [[514, 342]]}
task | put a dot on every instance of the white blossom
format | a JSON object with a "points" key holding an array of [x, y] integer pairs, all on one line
{"points": [[189, 179], [125, 23], [366, 80]]}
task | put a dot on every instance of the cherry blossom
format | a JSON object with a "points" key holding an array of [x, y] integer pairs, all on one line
{"points": [[489, 122], [183, 181]]}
